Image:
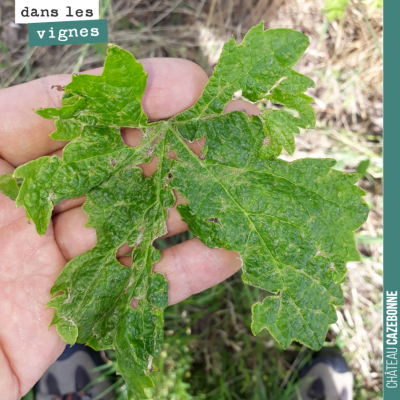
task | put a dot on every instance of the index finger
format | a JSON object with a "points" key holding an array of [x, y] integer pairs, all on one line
{"points": [[173, 85]]}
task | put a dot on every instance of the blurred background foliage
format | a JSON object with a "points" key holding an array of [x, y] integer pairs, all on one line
{"points": [[209, 351]]}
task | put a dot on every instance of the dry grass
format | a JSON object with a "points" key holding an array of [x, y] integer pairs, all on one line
{"points": [[345, 61]]}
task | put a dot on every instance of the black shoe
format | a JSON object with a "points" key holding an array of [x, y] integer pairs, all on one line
{"points": [[67, 377], [326, 377]]}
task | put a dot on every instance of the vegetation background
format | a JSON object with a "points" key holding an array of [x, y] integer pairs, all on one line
{"points": [[209, 351]]}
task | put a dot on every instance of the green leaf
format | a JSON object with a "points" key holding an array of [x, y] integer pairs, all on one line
{"points": [[292, 223], [335, 9], [362, 167], [261, 67], [35, 192], [10, 186], [68, 125], [280, 127], [87, 161], [112, 98], [94, 291]]}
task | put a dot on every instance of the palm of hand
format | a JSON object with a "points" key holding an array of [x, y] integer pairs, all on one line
{"points": [[29, 266]]}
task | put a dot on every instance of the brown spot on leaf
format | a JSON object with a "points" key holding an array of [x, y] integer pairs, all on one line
{"points": [[171, 154], [266, 141]]}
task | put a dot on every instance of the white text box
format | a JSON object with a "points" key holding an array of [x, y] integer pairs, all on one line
{"points": [[30, 11]]}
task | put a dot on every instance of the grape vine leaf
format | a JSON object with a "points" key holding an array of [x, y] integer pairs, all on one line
{"points": [[10, 186], [292, 223]]}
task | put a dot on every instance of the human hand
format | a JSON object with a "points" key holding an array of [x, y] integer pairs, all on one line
{"points": [[30, 264]]}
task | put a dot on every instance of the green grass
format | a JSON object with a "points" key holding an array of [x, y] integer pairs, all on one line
{"points": [[228, 361]]}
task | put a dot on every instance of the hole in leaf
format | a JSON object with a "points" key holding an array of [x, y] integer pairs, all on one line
{"points": [[197, 146], [289, 111], [135, 303], [165, 243], [179, 198], [215, 220], [124, 250], [171, 154], [132, 137]]}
